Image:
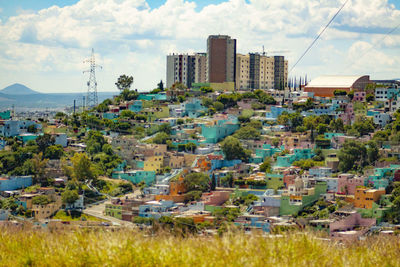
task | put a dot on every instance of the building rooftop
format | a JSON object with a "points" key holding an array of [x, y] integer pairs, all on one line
{"points": [[333, 81]]}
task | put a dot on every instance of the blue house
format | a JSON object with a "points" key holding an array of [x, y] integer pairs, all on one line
{"points": [[219, 164], [14, 128], [61, 139], [156, 209], [276, 111], [253, 221], [15, 183], [2, 144]]}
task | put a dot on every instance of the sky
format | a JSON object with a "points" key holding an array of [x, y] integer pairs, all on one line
{"points": [[43, 43]]}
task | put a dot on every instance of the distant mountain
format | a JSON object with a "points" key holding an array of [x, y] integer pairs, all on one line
{"points": [[18, 89]]}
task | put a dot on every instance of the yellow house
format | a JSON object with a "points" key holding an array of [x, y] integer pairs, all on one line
{"points": [[153, 163]]}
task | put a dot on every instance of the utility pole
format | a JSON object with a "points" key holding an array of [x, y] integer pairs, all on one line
{"points": [[91, 97]]}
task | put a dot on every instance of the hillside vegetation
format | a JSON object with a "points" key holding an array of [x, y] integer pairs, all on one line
{"points": [[130, 248]]}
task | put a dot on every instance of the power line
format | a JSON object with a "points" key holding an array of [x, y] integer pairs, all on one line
{"points": [[319, 35], [372, 47]]}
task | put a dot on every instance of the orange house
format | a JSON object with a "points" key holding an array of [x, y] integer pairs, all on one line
{"points": [[364, 198], [177, 191]]}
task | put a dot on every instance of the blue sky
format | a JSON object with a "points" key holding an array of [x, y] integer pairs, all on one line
{"points": [[43, 47]]}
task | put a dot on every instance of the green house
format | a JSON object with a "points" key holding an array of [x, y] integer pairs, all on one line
{"points": [[288, 207], [114, 211], [274, 181]]}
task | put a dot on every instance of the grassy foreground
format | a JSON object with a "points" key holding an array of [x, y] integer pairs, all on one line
{"points": [[130, 248]]}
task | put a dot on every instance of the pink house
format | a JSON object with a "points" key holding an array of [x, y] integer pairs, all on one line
{"points": [[215, 198], [359, 96], [351, 227], [348, 115], [347, 183]]}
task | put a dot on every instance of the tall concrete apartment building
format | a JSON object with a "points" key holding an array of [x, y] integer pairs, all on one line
{"points": [[221, 61], [186, 69], [255, 71]]}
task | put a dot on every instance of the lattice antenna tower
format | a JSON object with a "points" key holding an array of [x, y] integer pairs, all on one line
{"points": [[91, 97]]}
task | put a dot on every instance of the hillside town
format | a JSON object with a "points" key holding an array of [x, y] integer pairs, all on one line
{"points": [[230, 141]]}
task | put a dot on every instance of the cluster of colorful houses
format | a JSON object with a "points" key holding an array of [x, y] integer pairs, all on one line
{"points": [[282, 192]]}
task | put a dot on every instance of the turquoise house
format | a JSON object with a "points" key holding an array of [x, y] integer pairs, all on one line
{"points": [[110, 115], [298, 154], [262, 153], [149, 97], [194, 108], [332, 135], [381, 177], [5, 115], [137, 106], [27, 137], [136, 176], [219, 129]]}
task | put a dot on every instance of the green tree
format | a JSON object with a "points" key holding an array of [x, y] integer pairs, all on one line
{"points": [[124, 82], [247, 133], [54, 152], [190, 147], [291, 120], [82, 168], [351, 95], [363, 126], [94, 142], [233, 149], [141, 117], [207, 102], [127, 114], [255, 124], [206, 89], [370, 97], [32, 128], [39, 166], [339, 92], [160, 85], [266, 165], [69, 196], [41, 200], [372, 152], [227, 181], [193, 196], [165, 127], [44, 141], [213, 183], [336, 125], [218, 106], [161, 138], [197, 182], [352, 155]]}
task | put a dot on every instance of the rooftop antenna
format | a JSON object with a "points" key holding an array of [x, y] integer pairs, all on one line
{"points": [[91, 97], [263, 51]]}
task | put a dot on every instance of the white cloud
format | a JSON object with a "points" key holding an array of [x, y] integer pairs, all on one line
{"points": [[134, 39]]}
